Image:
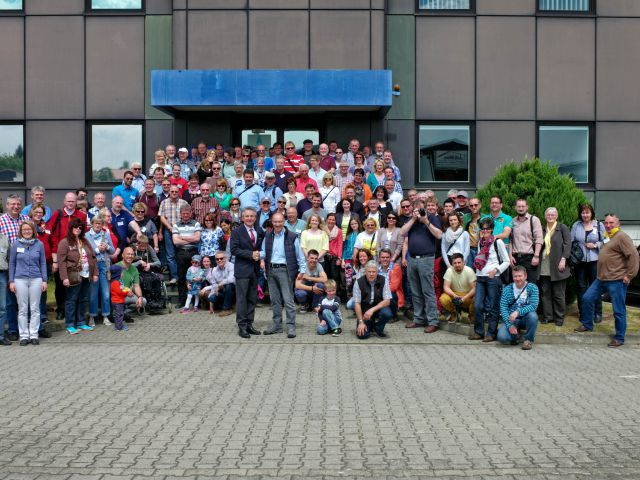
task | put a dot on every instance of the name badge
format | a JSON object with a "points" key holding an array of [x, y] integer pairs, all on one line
{"points": [[48, 232], [120, 224], [132, 197], [20, 250], [212, 210]]}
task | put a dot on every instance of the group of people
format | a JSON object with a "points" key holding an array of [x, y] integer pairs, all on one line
{"points": [[320, 229]]}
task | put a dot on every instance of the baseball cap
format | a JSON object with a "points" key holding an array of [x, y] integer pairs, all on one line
{"points": [[183, 149]]}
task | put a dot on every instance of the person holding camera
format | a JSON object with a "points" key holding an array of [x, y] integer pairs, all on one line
{"points": [[422, 231], [459, 289]]}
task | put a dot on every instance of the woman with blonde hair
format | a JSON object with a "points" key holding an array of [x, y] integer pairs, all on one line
{"points": [[314, 237], [367, 240], [204, 168], [376, 177], [330, 193], [160, 161]]}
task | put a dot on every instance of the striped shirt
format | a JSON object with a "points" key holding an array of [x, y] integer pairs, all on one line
{"points": [[525, 302]]}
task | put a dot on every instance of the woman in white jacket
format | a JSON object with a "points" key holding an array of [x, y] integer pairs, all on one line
{"points": [[454, 239], [492, 260]]}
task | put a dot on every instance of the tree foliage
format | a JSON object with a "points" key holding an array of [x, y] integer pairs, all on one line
{"points": [[540, 184]]}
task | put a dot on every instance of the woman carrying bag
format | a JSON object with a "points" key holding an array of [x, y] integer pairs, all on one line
{"points": [[77, 264]]}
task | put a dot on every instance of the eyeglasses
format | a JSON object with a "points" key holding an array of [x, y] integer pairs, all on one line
{"points": [[221, 186], [282, 201], [290, 148], [217, 169], [406, 206], [219, 259], [136, 168], [246, 156]]}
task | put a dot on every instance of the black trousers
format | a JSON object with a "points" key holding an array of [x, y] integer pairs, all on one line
{"points": [[61, 293], [246, 299], [183, 259], [525, 261]]}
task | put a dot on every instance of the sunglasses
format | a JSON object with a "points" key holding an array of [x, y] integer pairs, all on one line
{"points": [[216, 169], [235, 204], [391, 218], [406, 206], [139, 211], [486, 229], [136, 168], [474, 205], [281, 201], [219, 259], [290, 148]]}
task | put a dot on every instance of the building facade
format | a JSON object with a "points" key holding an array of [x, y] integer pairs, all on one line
{"points": [[480, 82]]}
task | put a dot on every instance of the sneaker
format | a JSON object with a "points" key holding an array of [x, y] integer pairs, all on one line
{"points": [[125, 328], [449, 317], [106, 322], [24, 342], [527, 345], [173, 281], [35, 341], [336, 332], [72, 330], [92, 322], [185, 310], [85, 327], [4, 341], [303, 309], [195, 309]]}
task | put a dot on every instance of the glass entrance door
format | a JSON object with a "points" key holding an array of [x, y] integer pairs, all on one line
{"points": [[259, 136]]}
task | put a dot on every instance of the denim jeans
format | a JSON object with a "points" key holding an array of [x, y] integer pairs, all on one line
{"points": [[28, 292], [333, 320], [281, 294], [4, 291], [309, 299], [473, 251], [487, 302], [75, 305], [43, 302], [377, 322], [586, 273], [406, 288], [618, 292], [226, 295], [529, 323], [425, 307], [100, 291], [171, 254]]}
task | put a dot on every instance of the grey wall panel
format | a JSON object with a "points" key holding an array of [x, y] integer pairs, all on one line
{"points": [[279, 39], [12, 79], [445, 92], [506, 68], [59, 143], [342, 129], [617, 147], [55, 67], [566, 69], [622, 8], [179, 40], [622, 203], [211, 132], [377, 40], [618, 69], [346, 4], [224, 49], [402, 143], [216, 4], [158, 134], [179, 4], [115, 67], [340, 39], [506, 7], [279, 4], [158, 7], [401, 7], [498, 142], [57, 7]]}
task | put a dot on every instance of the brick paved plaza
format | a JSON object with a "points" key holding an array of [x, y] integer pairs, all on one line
{"points": [[182, 396]]}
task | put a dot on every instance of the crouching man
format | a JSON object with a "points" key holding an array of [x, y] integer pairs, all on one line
{"points": [[372, 298], [518, 306], [459, 289]]}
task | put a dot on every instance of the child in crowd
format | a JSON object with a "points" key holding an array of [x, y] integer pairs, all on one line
{"points": [[195, 280], [329, 311], [118, 296]]}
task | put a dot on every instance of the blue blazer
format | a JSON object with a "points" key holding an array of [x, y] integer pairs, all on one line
{"points": [[242, 249]]}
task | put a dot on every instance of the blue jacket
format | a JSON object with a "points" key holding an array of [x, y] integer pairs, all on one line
{"points": [[27, 261]]}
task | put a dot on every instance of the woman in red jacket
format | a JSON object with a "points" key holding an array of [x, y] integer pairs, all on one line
{"points": [[43, 234]]}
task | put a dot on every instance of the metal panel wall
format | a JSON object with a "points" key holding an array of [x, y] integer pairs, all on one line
{"points": [[278, 39], [12, 79], [224, 46], [340, 39]]}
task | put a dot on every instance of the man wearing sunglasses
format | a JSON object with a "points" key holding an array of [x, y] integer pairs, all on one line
{"points": [[126, 191], [270, 189], [472, 226], [138, 176], [292, 160]]}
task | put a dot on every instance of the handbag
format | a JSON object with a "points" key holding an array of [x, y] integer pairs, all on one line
{"points": [[577, 255], [73, 273]]}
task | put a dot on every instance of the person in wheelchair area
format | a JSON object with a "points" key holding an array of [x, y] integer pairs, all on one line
{"points": [[151, 279], [145, 258]]}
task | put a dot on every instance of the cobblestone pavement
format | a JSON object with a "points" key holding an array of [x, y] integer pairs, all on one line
{"points": [[182, 396]]}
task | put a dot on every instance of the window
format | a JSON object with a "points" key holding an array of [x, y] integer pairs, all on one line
{"points": [[299, 136], [11, 153], [8, 5], [116, 4], [567, 146], [113, 148], [444, 153], [444, 5], [259, 136], [564, 5]]}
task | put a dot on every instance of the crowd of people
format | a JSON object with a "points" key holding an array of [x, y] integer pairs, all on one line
{"points": [[309, 232]]}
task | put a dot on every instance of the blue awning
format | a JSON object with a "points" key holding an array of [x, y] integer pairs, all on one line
{"points": [[277, 91]]}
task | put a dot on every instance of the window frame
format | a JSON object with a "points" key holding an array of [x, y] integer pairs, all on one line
{"points": [[451, 11], [590, 12], [470, 183], [13, 11], [24, 150], [591, 151], [88, 7], [89, 182]]}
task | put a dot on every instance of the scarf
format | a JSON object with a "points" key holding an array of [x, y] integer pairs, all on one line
{"points": [[483, 253], [612, 232], [29, 242], [547, 238], [333, 234], [452, 236]]}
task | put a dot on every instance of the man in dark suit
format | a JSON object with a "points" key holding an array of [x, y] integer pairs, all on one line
{"points": [[246, 241]]}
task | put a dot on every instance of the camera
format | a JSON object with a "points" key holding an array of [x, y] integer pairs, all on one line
{"points": [[457, 301], [422, 212]]}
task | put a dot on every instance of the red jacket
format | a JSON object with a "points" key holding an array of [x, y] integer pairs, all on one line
{"points": [[44, 235], [58, 225]]}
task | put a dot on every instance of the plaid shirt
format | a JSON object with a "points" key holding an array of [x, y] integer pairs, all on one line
{"points": [[10, 226], [171, 210], [201, 206], [342, 182]]}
